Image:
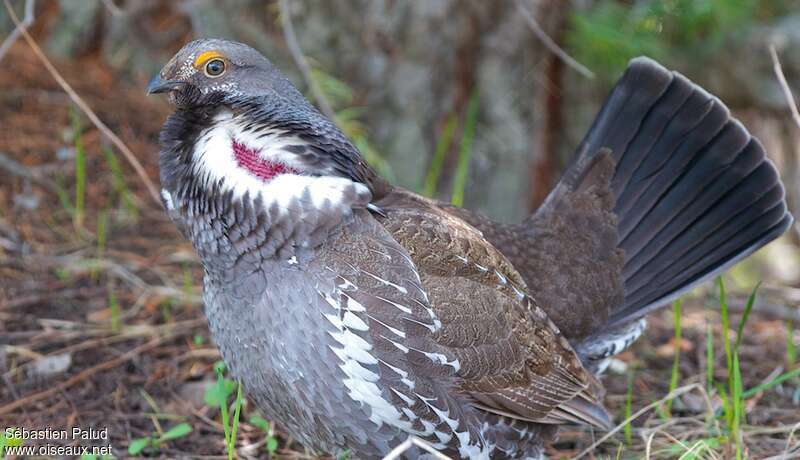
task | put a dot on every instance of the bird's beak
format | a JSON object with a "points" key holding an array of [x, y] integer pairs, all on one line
{"points": [[159, 85]]}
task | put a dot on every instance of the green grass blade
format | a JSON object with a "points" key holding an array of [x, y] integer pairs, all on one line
{"points": [[101, 230], [63, 196], [101, 233], [745, 315], [727, 407], [738, 406], [723, 304], [709, 357], [791, 348], [236, 412], [730, 399], [113, 306], [465, 152], [767, 385], [437, 162], [80, 171], [118, 181], [188, 283], [628, 410], [675, 375], [223, 408]]}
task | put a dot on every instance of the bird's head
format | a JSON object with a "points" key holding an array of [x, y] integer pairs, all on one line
{"points": [[211, 69], [241, 129]]}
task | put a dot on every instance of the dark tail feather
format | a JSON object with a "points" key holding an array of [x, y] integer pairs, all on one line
{"points": [[694, 190]]}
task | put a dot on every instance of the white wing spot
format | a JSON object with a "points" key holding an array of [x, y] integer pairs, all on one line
{"points": [[386, 282], [353, 304], [352, 321], [409, 413], [168, 202], [431, 327], [402, 308], [442, 359], [391, 329], [360, 381], [406, 399], [399, 345], [347, 285]]}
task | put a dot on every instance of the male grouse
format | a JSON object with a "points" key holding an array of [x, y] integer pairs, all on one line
{"points": [[356, 313]]}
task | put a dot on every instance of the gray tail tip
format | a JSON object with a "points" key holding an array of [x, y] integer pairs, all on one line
{"points": [[645, 61]]}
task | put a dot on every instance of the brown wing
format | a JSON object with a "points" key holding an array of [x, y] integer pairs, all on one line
{"points": [[567, 251], [386, 312], [512, 359]]}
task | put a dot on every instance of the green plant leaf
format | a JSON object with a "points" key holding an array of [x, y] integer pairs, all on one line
{"points": [[138, 445], [259, 422], [272, 444], [217, 394], [178, 431], [10, 442]]}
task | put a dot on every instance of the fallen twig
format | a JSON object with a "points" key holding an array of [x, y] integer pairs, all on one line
{"points": [[300, 60], [83, 106], [674, 394], [549, 43], [8, 408], [113, 8], [787, 92], [128, 333], [14, 168], [767, 310], [414, 441], [30, 9]]}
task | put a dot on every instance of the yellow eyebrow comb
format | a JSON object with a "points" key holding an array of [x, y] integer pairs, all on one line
{"points": [[205, 56]]}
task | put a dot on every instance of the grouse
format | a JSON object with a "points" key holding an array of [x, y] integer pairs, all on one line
{"points": [[356, 313]]}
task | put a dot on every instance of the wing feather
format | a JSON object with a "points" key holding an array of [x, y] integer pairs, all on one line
{"points": [[513, 361]]}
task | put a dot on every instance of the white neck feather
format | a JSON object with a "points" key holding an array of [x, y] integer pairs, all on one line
{"points": [[215, 162]]}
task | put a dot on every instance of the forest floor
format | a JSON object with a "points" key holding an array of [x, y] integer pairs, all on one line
{"points": [[101, 323]]}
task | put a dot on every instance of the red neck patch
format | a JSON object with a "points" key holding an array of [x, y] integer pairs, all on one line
{"points": [[249, 159]]}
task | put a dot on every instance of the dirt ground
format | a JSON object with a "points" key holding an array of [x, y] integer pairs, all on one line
{"points": [[101, 323]]}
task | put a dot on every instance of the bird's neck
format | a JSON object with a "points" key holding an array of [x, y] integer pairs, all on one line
{"points": [[236, 191]]}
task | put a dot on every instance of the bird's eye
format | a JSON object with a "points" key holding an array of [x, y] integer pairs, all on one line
{"points": [[215, 67]]}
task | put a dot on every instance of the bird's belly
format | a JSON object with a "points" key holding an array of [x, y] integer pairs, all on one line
{"points": [[273, 341]]}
